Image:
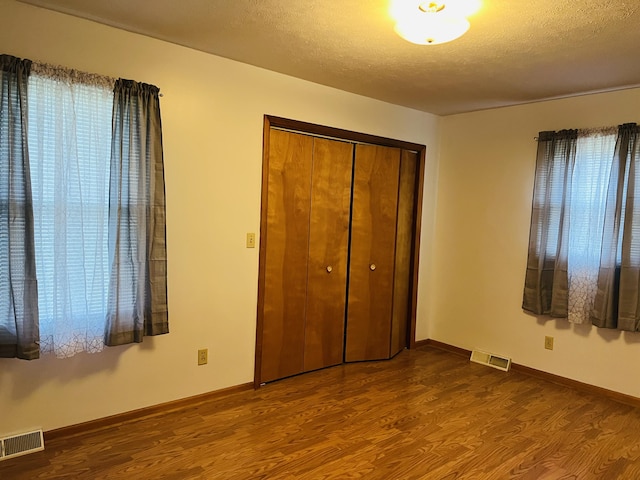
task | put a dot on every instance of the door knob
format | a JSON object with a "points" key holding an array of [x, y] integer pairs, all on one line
{"points": [[372, 267], [329, 269]]}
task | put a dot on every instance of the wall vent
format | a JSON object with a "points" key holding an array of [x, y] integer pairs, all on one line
{"points": [[495, 361], [21, 444]]}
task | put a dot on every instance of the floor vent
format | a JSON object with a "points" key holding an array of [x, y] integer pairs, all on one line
{"points": [[495, 361], [21, 444]]}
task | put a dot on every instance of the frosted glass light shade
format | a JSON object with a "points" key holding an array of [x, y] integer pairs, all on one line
{"points": [[431, 28]]}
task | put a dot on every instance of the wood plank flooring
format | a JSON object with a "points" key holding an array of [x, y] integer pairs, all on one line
{"points": [[426, 414]]}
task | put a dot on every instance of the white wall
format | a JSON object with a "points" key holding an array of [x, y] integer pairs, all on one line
{"points": [[212, 113], [485, 188]]}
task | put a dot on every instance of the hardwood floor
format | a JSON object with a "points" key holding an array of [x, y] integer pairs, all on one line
{"points": [[426, 414]]}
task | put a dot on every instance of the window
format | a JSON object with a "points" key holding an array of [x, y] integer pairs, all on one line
{"points": [[585, 228], [69, 128], [589, 182], [82, 211]]}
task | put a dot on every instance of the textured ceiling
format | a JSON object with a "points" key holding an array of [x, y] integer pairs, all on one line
{"points": [[516, 51]]}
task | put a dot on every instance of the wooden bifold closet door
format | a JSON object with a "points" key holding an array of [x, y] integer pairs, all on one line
{"points": [[338, 251], [380, 256], [375, 203], [305, 268]]}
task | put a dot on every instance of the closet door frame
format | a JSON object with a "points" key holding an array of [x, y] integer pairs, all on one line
{"points": [[270, 122]]}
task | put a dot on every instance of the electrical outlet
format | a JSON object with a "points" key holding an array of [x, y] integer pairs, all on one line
{"points": [[251, 240], [202, 356], [548, 343]]}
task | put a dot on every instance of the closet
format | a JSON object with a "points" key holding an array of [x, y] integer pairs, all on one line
{"points": [[338, 248]]}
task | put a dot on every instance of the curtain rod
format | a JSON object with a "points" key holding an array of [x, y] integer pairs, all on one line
{"points": [[63, 73], [587, 132]]}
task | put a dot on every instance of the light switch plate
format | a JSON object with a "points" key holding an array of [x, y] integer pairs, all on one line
{"points": [[251, 240]]}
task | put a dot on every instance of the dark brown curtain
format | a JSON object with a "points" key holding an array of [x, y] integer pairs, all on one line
{"points": [[19, 332], [137, 303], [546, 280]]}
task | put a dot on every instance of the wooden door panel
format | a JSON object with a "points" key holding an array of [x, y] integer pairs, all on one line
{"points": [[328, 245], [373, 229], [404, 248], [287, 245]]}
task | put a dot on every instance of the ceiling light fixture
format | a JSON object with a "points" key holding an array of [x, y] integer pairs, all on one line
{"points": [[432, 23]]}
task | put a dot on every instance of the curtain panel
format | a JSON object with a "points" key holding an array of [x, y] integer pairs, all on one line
{"points": [[19, 332], [70, 121], [137, 302], [546, 280], [617, 301]]}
